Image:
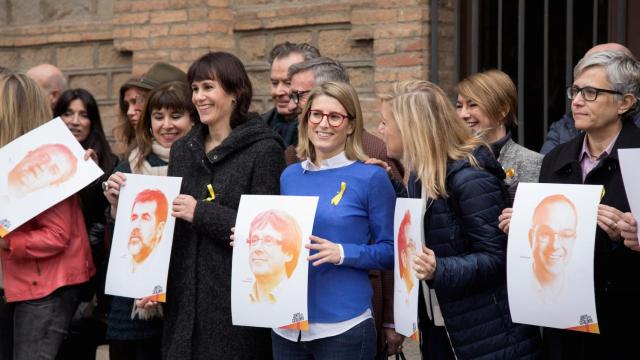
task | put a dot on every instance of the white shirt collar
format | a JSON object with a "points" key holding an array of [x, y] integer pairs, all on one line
{"points": [[337, 161]]}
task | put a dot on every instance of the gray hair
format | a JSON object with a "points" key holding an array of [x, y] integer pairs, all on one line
{"points": [[324, 69], [287, 48], [623, 73]]}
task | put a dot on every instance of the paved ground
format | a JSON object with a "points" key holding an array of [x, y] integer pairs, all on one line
{"points": [[411, 351]]}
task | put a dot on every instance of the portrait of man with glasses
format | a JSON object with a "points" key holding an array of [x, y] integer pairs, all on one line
{"points": [[552, 237], [274, 240]]}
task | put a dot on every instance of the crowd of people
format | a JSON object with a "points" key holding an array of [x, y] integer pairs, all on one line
{"points": [[459, 156]]}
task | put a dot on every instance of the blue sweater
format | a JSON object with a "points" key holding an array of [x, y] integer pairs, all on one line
{"points": [[365, 212]]}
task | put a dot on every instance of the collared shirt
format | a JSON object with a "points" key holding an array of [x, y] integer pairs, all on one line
{"points": [[323, 330], [588, 161], [271, 298], [335, 162]]}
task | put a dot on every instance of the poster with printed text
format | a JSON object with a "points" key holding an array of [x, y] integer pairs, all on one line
{"points": [[269, 276], [408, 239], [41, 168], [631, 177], [550, 256], [142, 237]]}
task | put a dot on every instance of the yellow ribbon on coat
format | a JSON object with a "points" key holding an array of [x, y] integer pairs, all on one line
{"points": [[211, 193], [336, 199]]}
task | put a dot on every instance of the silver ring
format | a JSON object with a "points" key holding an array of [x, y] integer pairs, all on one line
{"points": [[105, 186]]}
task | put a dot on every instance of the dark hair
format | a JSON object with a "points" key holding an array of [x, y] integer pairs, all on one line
{"points": [[286, 48], [229, 72], [174, 95], [96, 139], [124, 131]]}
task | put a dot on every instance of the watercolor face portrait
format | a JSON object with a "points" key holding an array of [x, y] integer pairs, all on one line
{"points": [[275, 240], [269, 275], [44, 166], [550, 256]]}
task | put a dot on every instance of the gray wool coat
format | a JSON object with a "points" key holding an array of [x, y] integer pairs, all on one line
{"points": [[524, 162], [198, 309]]}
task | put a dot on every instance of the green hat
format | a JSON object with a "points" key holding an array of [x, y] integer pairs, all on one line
{"points": [[159, 73]]}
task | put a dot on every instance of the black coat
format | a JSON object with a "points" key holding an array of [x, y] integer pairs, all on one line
{"points": [[198, 311], [616, 268], [470, 276]]}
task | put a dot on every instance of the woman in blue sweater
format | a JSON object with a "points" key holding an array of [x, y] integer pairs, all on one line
{"points": [[352, 232], [463, 260]]}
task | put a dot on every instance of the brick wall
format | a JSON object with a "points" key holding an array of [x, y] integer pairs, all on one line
{"points": [[98, 43]]}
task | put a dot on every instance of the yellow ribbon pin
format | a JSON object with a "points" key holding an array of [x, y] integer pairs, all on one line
{"points": [[336, 199], [510, 172], [602, 193], [213, 194]]}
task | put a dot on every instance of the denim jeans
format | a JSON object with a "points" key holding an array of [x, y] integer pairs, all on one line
{"points": [[39, 326], [357, 343], [6, 328]]}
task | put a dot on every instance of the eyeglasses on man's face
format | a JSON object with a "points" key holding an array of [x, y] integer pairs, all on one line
{"points": [[267, 240], [545, 235], [589, 93], [335, 119], [296, 95]]}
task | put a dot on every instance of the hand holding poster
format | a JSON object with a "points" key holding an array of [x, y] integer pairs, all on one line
{"points": [[631, 178], [43, 167], [550, 256], [142, 237], [269, 273], [408, 240]]}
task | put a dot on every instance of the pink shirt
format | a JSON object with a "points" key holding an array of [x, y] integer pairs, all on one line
{"points": [[587, 161]]}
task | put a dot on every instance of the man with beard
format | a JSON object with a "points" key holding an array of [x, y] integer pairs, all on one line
{"points": [[148, 217]]}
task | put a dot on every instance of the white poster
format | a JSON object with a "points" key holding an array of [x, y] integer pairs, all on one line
{"points": [[40, 169], [407, 230], [631, 179], [269, 274], [142, 237], [550, 256]]}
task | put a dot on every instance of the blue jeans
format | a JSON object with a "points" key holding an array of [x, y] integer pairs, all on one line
{"points": [[6, 328], [39, 326], [357, 343]]}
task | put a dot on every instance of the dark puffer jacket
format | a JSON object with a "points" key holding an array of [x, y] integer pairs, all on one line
{"points": [[470, 277]]}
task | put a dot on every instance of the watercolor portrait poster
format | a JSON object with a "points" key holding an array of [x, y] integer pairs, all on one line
{"points": [[408, 240], [142, 237], [269, 277], [41, 168], [550, 256]]}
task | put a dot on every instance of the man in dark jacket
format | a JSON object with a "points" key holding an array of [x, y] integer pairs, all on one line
{"points": [[280, 118]]}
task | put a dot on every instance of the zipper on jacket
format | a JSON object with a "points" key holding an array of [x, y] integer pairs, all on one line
{"points": [[453, 350]]}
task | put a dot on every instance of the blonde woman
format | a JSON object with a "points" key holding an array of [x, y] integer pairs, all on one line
{"points": [[464, 257], [487, 103], [45, 261], [352, 231]]}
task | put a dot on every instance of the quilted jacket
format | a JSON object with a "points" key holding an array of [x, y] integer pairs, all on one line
{"points": [[470, 276]]}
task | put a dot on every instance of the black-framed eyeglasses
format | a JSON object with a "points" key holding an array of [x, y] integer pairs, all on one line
{"points": [[296, 95], [335, 119], [589, 93]]}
